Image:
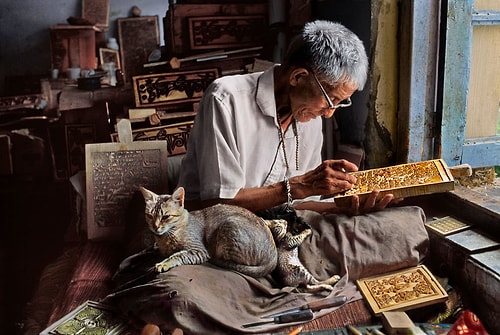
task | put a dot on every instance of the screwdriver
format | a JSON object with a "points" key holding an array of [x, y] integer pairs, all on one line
{"points": [[301, 315]]}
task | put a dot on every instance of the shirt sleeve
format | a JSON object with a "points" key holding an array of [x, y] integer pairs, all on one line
{"points": [[211, 168]]}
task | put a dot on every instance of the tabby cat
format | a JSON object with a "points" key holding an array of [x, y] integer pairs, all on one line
{"points": [[290, 269], [289, 231], [228, 236]]}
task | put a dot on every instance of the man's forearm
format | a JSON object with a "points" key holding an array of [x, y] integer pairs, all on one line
{"points": [[255, 199]]}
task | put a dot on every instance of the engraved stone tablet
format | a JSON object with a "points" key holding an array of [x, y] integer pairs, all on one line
{"points": [[114, 171]]}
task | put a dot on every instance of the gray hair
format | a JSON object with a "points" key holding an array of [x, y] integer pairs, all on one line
{"points": [[334, 52]]}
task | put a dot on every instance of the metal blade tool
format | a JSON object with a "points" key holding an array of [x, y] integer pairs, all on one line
{"points": [[297, 316], [313, 306]]}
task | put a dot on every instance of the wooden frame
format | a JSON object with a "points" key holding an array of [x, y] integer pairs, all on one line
{"points": [[97, 12], [212, 32], [403, 180], [175, 135], [109, 55], [89, 315], [402, 290], [172, 87], [138, 37], [114, 172]]}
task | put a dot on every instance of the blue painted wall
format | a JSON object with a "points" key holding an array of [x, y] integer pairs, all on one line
{"points": [[24, 30]]}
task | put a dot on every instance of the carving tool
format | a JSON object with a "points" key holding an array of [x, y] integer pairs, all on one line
{"points": [[296, 331], [353, 330], [314, 306], [297, 316]]}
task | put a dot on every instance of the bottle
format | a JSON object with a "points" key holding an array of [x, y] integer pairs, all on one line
{"points": [[112, 44]]}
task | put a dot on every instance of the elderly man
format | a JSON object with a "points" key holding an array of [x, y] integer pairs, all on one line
{"points": [[257, 138]]}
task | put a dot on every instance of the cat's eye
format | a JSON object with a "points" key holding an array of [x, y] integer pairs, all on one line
{"points": [[165, 217]]}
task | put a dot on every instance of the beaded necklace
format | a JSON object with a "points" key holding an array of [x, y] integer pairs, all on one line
{"points": [[281, 134]]}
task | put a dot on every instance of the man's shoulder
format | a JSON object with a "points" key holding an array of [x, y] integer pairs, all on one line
{"points": [[234, 85], [237, 79]]}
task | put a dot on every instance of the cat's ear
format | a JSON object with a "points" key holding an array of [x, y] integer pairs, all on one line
{"points": [[147, 194], [179, 196]]}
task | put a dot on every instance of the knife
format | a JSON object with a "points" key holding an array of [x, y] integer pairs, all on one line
{"points": [[313, 306], [299, 315]]}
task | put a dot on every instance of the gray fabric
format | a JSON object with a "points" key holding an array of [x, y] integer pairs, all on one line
{"points": [[204, 299]]}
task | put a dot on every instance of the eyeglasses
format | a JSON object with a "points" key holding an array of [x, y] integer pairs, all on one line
{"points": [[344, 103]]}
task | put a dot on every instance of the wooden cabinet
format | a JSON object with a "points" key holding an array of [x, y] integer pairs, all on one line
{"points": [[73, 46]]}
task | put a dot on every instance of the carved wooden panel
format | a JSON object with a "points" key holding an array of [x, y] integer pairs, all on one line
{"points": [[176, 136], [97, 12], [172, 87], [138, 36], [176, 23], [403, 180], [402, 290], [212, 32], [114, 172]]}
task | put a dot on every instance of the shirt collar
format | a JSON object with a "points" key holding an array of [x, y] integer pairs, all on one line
{"points": [[265, 93]]}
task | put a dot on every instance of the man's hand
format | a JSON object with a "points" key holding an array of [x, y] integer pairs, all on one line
{"points": [[330, 177], [371, 204]]}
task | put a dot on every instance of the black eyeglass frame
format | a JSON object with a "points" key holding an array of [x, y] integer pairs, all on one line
{"points": [[329, 101]]}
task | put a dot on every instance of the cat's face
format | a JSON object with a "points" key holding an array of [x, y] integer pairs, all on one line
{"points": [[162, 212]]}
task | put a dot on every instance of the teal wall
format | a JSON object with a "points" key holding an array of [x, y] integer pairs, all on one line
{"points": [[24, 30]]}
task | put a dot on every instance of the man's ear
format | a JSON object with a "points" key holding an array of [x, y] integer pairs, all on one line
{"points": [[296, 74]]}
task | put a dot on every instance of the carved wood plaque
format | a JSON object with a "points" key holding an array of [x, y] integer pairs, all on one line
{"points": [[175, 135], [402, 290], [138, 36], [404, 180], [97, 12], [114, 171], [173, 87], [213, 32]]}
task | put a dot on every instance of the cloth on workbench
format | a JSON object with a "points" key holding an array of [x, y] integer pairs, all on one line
{"points": [[205, 299]]}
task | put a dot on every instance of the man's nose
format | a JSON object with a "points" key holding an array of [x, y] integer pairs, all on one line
{"points": [[328, 113]]}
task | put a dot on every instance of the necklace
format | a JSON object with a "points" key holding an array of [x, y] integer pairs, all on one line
{"points": [[281, 135]]}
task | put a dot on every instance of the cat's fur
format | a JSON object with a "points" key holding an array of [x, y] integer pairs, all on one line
{"points": [[228, 236], [289, 232]]}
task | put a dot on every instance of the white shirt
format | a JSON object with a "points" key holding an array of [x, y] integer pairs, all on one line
{"points": [[235, 140]]}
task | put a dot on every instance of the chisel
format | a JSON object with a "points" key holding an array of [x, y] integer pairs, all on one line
{"points": [[314, 306], [297, 316]]}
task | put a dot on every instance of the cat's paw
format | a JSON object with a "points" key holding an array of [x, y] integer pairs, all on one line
{"points": [[312, 288], [161, 267], [332, 280]]}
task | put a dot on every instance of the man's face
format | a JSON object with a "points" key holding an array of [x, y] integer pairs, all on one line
{"points": [[311, 98]]}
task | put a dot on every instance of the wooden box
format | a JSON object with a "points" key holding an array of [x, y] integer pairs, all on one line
{"points": [[404, 180], [73, 46], [402, 290]]}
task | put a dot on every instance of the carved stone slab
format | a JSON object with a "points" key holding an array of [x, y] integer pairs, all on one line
{"points": [[211, 32], [114, 171], [172, 87]]}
